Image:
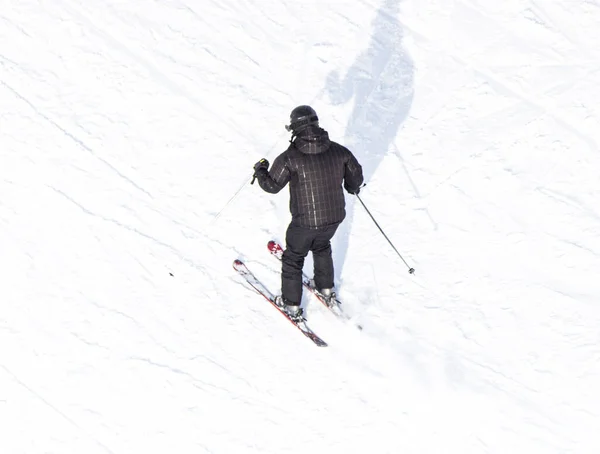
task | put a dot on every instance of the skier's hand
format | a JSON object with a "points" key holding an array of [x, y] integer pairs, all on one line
{"points": [[261, 170], [353, 191], [262, 164]]}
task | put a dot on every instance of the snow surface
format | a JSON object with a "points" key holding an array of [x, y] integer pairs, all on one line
{"points": [[128, 130]]}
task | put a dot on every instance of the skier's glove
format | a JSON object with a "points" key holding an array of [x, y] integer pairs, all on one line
{"points": [[353, 191], [261, 170], [262, 164]]}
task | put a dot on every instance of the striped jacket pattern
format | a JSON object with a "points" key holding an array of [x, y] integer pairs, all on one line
{"points": [[316, 169]]}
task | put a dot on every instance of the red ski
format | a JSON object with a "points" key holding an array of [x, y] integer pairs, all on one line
{"points": [[243, 270]]}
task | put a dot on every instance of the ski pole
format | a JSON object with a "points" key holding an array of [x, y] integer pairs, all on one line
{"points": [[410, 269], [218, 215]]}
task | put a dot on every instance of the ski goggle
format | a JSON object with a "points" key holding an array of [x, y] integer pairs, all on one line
{"points": [[302, 121]]}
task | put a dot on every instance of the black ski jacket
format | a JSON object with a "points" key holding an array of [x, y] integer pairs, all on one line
{"points": [[316, 168]]}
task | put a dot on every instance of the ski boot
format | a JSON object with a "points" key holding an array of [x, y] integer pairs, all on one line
{"points": [[293, 311], [329, 296]]}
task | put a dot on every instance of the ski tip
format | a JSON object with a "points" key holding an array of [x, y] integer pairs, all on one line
{"points": [[274, 247], [237, 264]]}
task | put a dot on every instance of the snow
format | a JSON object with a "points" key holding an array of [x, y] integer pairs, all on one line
{"points": [[128, 130]]}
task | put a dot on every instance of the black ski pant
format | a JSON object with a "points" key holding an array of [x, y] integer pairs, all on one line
{"points": [[299, 241]]}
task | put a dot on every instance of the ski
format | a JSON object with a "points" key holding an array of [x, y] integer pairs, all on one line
{"points": [[277, 251], [257, 285]]}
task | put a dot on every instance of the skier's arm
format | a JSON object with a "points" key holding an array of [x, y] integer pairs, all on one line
{"points": [[276, 178], [353, 175]]}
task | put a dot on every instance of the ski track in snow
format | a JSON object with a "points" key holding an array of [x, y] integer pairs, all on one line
{"points": [[128, 131]]}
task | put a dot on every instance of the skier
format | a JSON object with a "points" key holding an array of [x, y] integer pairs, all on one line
{"points": [[315, 167]]}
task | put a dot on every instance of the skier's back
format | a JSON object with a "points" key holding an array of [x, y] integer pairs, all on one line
{"points": [[316, 168]]}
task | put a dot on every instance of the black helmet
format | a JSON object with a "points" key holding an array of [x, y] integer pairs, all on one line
{"points": [[302, 117]]}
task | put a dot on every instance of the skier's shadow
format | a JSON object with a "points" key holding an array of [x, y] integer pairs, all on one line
{"points": [[380, 82]]}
